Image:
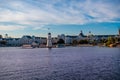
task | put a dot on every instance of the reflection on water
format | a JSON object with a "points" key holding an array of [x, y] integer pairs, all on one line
{"points": [[72, 63]]}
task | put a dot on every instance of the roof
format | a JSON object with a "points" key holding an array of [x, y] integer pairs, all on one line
{"points": [[81, 34], [105, 35], [71, 36], [28, 36], [43, 38], [37, 37]]}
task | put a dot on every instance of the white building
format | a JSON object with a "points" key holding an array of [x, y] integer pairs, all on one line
{"points": [[26, 39], [43, 40], [13, 41], [54, 40], [69, 39]]}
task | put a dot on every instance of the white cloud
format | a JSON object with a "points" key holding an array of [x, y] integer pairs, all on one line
{"points": [[40, 27], [37, 13], [11, 27]]}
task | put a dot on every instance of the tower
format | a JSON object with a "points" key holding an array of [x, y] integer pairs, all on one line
{"points": [[49, 41]]}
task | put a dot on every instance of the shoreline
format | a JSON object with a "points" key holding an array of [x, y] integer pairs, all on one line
{"points": [[84, 45]]}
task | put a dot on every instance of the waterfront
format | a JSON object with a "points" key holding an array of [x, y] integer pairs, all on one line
{"points": [[70, 63]]}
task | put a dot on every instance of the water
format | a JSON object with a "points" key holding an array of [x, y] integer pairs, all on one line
{"points": [[71, 63]]}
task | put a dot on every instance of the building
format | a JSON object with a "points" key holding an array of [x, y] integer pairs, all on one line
{"points": [[54, 40], [13, 41], [69, 38], [26, 39], [43, 40]]}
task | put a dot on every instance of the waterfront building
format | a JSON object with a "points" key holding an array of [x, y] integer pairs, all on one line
{"points": [[43, 40], [13, 41], [36, 39], [69, 38], [54, 40], [26, 39]]}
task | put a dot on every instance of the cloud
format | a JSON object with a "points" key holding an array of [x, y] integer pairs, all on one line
{"points": [[41, 12], [11, 27], [40, 27]]}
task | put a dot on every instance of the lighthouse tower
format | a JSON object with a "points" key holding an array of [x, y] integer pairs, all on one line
{"points": [[49, 41]]}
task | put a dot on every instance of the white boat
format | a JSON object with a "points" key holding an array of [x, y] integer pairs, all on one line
{"points": [[27, 46]]}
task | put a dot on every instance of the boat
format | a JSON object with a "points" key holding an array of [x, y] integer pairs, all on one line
{"points": [[27, 46]]}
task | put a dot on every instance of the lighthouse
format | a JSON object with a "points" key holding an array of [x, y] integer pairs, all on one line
{"points": [[49, 41]]}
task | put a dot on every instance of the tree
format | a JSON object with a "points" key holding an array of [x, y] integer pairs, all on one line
{"points": [[60, 41], [3, 42], [110, 41], [74, 42], [83, 42]]}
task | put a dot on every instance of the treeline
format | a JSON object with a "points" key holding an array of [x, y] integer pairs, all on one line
{"points": [[105, 42], [75, 42], [111, 41]]}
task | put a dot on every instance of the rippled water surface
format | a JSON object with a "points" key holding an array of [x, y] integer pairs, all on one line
{"points": [[71, 63]]}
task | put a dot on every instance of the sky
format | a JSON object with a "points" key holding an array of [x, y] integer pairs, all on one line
{"points": [[69, 17]]}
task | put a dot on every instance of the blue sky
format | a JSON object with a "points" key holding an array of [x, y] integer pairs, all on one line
{"points": [[34, 17]]}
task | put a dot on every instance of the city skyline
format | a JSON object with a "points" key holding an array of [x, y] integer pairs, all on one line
{"points": [[34, 17]]}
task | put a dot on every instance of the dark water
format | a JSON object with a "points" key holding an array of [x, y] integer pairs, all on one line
{"points": [[73, 63]]}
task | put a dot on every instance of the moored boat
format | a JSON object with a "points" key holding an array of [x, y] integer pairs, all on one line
{"points": [[27, 46]]}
